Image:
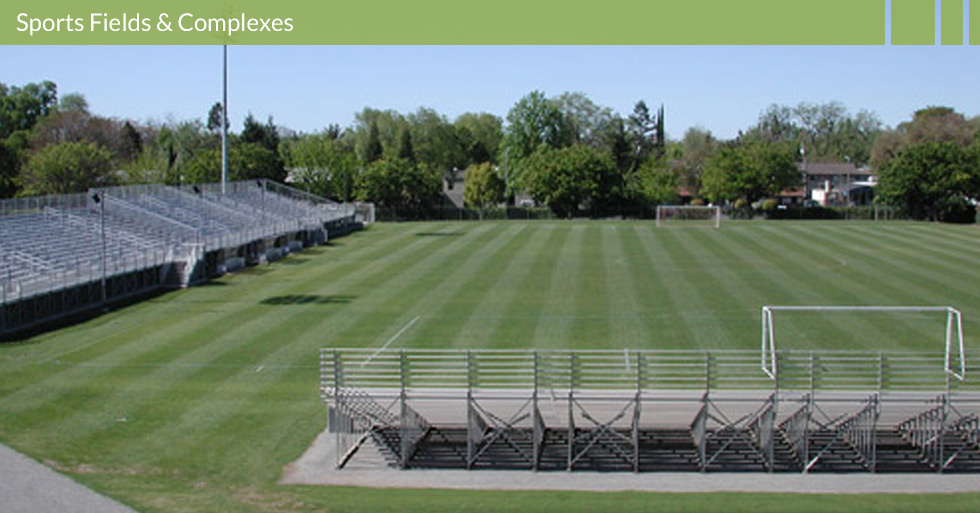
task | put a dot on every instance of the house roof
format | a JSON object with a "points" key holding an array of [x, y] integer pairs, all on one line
{"points": [[832, 168]]}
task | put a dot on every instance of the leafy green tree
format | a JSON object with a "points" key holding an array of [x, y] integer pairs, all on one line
{"points": [[818, 124], [65, 168], [483, 186], [645, 133], [827, 131], [587, 120], [658, 182], [932, 180], [938, 124], [376, 133], [9, 167], [22, 107], [20, 110], [246, 161], [776, 123], [73, 102], [566, 179], [323, 165], [698, 147], [479, 136], [132, 142], [532, 123], [435, 141], [855, 138], [405, 150], [409, 189], [616, 140], [254, 132], [169, 147], [269, 164], [749, 172], [931, 124], [372, 149], [214, 117]]}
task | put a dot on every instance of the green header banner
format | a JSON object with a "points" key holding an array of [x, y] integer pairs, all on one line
{"points": [[110, 22]]}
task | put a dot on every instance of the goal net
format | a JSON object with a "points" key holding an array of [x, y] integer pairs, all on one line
{"points": [[688, 215], [954, 363]]}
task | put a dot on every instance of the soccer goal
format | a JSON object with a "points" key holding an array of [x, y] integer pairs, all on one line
{"points": [[688, 215], [955, 358]]}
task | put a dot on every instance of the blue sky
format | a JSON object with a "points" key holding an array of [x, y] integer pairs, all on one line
{"points": [[721, 88]]}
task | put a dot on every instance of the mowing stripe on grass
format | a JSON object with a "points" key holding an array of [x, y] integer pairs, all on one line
{"points": [[714, 293], [161, 327], [799, 284], [851, 286], [657, 299], [662, 248], [169, 410], [211, 410], [405, 293], [484, 321], [468, 277], [532, 293], [231, 351], [623, 310], [955, 271], [552, 328], [591, 327], [456, 300]]}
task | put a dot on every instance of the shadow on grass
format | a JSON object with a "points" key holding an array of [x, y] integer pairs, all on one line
{"points": [[292, 260], [21, 336], [255, 270], [317, 250], [307, 299]]}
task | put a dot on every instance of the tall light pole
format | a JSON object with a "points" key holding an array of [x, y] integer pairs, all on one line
{"points": [[100, 200], [224, 123], [806, 177], [200, 213]]}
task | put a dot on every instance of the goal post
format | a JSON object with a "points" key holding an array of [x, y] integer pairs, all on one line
{"points": [[953, 334], [688, 215]]}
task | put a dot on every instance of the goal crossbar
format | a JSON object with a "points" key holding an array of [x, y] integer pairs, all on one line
{"points": [[953, 342], [712, 214]]}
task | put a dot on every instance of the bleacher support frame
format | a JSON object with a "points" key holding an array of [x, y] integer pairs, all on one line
{"points": [[640, 411]]}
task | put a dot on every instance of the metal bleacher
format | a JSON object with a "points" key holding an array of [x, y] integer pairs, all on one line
{"points": [[650, 411], [60, 255]]}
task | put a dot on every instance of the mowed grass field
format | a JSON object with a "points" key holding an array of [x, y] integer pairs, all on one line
{"points": [[195, 400]]}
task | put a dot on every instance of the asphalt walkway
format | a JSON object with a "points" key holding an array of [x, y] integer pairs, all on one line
{"points": [[27, 486]]}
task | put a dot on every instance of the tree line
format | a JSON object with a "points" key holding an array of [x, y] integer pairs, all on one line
{"points": [[566, 152]]}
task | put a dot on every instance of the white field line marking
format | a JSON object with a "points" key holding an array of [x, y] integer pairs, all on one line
{"points": [[392, 339], [185, 365], [58, 356]]}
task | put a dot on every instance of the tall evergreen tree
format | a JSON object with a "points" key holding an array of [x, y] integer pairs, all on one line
{"points": [[373, 150]]}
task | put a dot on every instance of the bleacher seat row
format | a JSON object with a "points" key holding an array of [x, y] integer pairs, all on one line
{"points": [[63, 254]]}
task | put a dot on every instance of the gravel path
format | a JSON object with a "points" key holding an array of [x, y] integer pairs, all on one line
{"points": [[316, 467], [27, 486]]}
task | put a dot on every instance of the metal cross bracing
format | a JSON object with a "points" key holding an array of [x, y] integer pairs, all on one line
{"points": [[651, 411]]}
